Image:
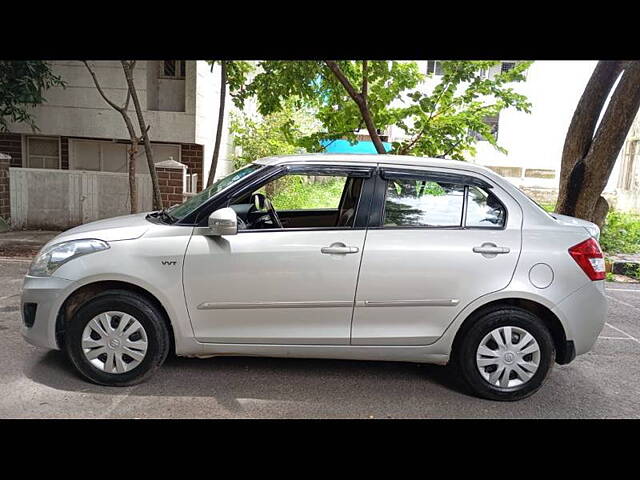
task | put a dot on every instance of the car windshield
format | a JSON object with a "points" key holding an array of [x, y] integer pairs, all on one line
{"points": [[178, 212]]}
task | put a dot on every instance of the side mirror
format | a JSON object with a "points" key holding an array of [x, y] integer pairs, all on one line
{"points": [[223, 222]]}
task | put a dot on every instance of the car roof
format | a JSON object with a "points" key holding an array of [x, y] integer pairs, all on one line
{"points": [[358, 158]]}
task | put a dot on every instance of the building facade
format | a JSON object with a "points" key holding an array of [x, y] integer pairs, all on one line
{"points": [[83, 142], [78, 130]]}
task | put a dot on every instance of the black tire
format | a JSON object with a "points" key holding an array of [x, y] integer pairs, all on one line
{"points": [[141, 309], [466, 349]]}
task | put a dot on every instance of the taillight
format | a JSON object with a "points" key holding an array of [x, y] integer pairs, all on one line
{"points": [[589, 256]]}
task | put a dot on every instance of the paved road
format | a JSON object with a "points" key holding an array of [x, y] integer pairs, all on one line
{"points": [[39, 384]]}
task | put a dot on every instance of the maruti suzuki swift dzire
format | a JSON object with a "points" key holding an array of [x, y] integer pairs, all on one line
{"points": [[400, 259]]}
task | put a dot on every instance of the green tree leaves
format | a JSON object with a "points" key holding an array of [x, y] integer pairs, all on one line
{"points": [[445, 120], [282, 132], [22, 85]]}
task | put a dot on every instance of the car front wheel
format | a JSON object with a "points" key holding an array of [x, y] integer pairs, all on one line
{"points": [[118, 338], [506, 354]]}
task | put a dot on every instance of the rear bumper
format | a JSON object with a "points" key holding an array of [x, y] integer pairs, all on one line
{"points": [[583, 314], [47, 294]]}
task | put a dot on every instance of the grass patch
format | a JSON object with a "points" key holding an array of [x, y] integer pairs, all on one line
{"points": [[549, 207], [621, 233], [298, 193]]}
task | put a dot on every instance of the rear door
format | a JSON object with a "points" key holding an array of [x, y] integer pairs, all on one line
{"points": [[437, 241]]}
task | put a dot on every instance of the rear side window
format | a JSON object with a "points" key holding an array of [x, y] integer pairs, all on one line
{"points": [[434, 201], [423, 203], [484, 209]]}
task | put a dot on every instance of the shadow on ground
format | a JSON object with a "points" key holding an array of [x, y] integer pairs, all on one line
{"points": [[253, 377]]}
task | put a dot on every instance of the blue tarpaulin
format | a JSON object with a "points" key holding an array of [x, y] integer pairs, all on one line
{"points": [[343, 146]]}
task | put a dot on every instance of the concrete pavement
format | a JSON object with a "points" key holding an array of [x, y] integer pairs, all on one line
{"points": [[24, 243], [34, 383]]}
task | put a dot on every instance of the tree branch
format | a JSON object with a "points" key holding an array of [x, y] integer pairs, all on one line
{"points": [[144, 130], [335, 69], [365, 80], [361, 102], [106, 99]]}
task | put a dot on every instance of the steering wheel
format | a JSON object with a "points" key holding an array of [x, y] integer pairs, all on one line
{"points": [[261, 202]]}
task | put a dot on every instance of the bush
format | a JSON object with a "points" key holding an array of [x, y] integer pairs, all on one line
{"points": [[298, 194], [621, 233]]}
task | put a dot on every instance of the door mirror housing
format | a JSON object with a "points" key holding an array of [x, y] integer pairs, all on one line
{"points": [[223, 221]]}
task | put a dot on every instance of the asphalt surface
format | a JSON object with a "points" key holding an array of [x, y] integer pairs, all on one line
{"points": [[35, 383]]}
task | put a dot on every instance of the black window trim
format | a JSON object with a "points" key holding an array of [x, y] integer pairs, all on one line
{"points": [[198, 217], [376, 214], [504, 207], [252, 183]]}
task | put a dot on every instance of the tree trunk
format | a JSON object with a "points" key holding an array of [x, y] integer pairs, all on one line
{"points": [[371, 128], [579, 194], [361, 102], [133, 191], [223, 97], [584, 120], [157, 199]]}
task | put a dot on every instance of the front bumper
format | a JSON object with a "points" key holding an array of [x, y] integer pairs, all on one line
{"points": [[583, 314], [48, 294]]}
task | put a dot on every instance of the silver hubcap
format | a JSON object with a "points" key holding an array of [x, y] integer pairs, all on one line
{"points": [[114, 342], [508, 357]]}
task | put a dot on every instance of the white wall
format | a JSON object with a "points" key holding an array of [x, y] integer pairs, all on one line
{"points": [[536, 140], [207, 105]]}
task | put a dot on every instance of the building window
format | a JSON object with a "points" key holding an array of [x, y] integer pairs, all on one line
{"points": [[98, 156], [506, 66], [492, 121], [627, 175], [435, 67], [173, 69], [101, 156], [43, 152]]}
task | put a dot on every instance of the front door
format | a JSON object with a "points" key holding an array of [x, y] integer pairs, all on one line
{"points": [[442, 242], [274, 284]]}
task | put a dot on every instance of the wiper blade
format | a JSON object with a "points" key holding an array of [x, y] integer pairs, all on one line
{"points": [[166, 215]]}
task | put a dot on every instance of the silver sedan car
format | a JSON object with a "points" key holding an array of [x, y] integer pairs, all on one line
{"points": [[364, 257]]}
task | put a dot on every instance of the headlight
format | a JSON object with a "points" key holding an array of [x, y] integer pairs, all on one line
{"points": [[50, 259]]}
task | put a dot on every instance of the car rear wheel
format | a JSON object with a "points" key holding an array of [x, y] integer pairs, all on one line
{"points": [[118, 338], [506, 354]]}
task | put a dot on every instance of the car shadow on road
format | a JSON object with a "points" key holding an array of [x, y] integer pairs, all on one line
{"points": [[283, 379]]}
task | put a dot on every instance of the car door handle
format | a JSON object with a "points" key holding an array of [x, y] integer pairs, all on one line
{"points": [[339, 248], [490, 249]]}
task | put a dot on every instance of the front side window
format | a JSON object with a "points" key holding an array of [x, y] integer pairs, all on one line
{"points": [[483, 209], [301, 200], [305, 192], [423, 203]]}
